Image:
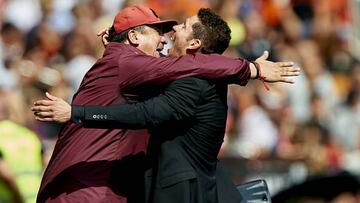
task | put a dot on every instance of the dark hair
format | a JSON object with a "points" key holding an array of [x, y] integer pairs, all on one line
{"points": [[123, 36], [213, 31]]}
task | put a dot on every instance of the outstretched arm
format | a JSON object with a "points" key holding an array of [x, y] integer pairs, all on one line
{"points": [[237, 71], [208, 66], [178, 102]]}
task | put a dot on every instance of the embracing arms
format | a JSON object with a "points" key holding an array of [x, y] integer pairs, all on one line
{"points": [[178, 102], [151, 70]]}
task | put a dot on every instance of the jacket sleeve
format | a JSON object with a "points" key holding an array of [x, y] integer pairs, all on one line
{"points": [[178, 102], [150, 70]]}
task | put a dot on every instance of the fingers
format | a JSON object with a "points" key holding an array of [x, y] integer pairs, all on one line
{"points": [[287, 80], [43, 103], [291, 73], [49, 96], [41, 108], [102, 32], [43, 114], [286, 74], [288, 69], [286, 64], [105, 39], [264, 56], [44, 119], [292, 69]]}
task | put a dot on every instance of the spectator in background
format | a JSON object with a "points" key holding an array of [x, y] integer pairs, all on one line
{"points": [[178, 9], [25, 14], [315, 145], [345, 125], [9, 190], [11, 47], [316, 79], [20, 158], [255, 41], [253, 115], [79, 58]]}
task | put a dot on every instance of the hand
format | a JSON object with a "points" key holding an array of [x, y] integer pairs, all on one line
{"points": [[276, 71], [104, 33], [55, 109]]}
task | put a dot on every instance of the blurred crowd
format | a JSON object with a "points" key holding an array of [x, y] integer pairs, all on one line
{"points": [[48, 45]]}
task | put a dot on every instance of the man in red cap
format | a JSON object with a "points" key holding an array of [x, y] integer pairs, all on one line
{"points": [[99, 165]]}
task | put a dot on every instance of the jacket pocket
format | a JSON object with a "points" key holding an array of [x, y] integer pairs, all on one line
{"points": [[176, 178]]}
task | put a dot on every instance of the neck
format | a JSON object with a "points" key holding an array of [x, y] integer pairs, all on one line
{"points": [[192, 51]]}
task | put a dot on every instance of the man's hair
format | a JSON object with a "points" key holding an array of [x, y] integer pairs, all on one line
{"points": [[213, 32], [123, 36]]}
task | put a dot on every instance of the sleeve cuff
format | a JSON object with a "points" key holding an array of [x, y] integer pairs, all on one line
{"points": [[77, 114], [244, 77]]}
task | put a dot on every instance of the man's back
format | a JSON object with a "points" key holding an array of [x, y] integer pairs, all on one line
{"points": [[85, 159]]}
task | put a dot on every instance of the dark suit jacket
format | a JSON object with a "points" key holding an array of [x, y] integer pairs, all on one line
{"points": [[187, 124]]}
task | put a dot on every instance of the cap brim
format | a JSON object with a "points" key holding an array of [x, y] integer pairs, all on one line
{"points": [[166, 25]]}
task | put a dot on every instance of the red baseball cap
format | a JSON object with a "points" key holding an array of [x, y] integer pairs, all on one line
{"points": [[139, 15]]}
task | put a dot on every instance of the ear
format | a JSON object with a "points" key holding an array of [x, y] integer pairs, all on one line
{"points": [[133, 37], [194, 45]]}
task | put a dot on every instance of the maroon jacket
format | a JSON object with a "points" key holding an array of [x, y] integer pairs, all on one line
{"points": [[105, 165]]}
